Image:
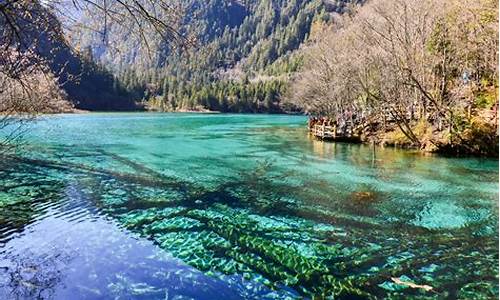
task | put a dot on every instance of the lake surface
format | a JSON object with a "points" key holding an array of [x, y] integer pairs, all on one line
{"points": [[192, 206]]}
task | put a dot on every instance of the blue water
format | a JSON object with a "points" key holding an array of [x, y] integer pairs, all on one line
{"points": [[194, 206]]}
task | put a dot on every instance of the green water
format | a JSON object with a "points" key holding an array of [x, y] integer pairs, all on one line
{"points": [[185, 206]]}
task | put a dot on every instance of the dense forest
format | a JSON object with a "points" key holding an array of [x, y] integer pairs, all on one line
{"points": [[239, 59]]}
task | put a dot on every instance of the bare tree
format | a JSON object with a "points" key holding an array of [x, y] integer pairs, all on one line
{"points": [[26, 89], [31, 28], [404, 61], [140, 16]]}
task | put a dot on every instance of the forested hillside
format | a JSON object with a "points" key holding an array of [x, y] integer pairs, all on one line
{"points": [[239, 58]]}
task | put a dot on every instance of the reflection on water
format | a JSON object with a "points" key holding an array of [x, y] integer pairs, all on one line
{"points": [[92, 259], [238, 207], [71, 252]]}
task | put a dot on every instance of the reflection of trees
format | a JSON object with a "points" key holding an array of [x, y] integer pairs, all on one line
{"points": [[33, 277], [323, 149]]}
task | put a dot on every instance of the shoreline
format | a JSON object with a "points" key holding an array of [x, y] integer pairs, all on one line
{"points": [[446, 150], [208, 112], [451, 151], [431, 142], [414, 149]]}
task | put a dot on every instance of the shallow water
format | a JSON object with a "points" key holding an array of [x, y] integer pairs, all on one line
{"points": [[186, 206]]}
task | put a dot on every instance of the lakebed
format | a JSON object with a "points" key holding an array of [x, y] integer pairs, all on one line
{"points": [[159, 205]]}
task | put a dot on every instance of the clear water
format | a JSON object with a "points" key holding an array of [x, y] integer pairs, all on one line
{"points": [[185, 206]]}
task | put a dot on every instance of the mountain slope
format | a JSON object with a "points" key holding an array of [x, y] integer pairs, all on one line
{"points": [[87, 85], [237, 42]]}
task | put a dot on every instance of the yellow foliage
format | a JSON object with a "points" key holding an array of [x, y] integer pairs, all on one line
{"points": [[480, 137], [396, 137], [486, 98], [422, 130]]}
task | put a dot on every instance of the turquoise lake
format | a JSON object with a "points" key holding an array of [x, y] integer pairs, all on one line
{"points": [[216, 206]]}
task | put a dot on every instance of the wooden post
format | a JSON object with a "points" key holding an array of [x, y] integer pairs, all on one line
{"points": [[373, 153]]}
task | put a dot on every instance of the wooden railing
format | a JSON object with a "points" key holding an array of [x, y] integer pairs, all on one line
{"points": [[323, 131]]}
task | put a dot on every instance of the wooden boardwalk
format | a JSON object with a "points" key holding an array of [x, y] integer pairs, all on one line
{"points": [[332, 133]]}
